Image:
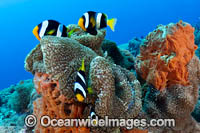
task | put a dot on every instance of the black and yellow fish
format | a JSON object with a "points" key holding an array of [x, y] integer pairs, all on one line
{"points": [[80, 86], [50, 27], [92, 21]]}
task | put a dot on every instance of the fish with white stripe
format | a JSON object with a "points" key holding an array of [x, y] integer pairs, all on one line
{"points": [[92, 113], [50, 27], [92, 21], [80, 85]]}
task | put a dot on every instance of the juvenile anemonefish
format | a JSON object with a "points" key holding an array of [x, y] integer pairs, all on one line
{"points": [[93, 116], [92, 113], [50, 27], [80, 86], [92, 21]]}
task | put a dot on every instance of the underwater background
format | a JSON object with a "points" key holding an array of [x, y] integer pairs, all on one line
{"points": [[136, 18], [148, 68]]}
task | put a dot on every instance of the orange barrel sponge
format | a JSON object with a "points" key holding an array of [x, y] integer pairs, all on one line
{"points": [[134, 131], [55, 105], [165, 54]]}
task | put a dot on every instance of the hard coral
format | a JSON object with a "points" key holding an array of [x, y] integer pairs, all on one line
{"points": [[14, 106], [165, 54], [20, 99], [197, 33], [197, 37], [55, 105], [134, 46]]}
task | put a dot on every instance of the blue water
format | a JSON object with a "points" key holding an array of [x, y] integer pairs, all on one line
{"points": [[135, 18]]}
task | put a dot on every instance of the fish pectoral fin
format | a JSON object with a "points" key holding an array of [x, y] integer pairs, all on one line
{"points": [[90, 90], [111, 23], [82, 68], [50, 32]]}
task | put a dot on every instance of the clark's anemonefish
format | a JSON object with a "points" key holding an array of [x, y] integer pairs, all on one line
{"points": [[92, 21], [80, 86], [50, 27]]}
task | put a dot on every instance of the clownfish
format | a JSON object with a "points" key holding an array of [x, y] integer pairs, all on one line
{"points": [[92, 113], [92, 21], [80, 88], [93, 116], [50, 27]]}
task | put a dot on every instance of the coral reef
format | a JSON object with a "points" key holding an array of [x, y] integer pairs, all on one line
{"points": [[135, 131], [93, 42], [54, 104], [123, 46], [134, 45], [171, 49], [61, 58], [14, 106], [196, 112], [117, 89], [118, 56], [165, 54], [55, 62], [197, 33], [197, 37], [20, 99], [166, 67]]}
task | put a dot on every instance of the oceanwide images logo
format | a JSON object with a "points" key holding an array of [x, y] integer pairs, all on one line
{"points": [[46, 121]]}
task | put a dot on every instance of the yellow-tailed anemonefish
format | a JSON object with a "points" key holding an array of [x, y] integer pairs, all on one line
{"points": [[80, 85], [92, 21], [50, 27]]}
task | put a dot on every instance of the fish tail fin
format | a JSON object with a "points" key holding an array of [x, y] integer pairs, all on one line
{"points": [[82, 68], [111, 23]]}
